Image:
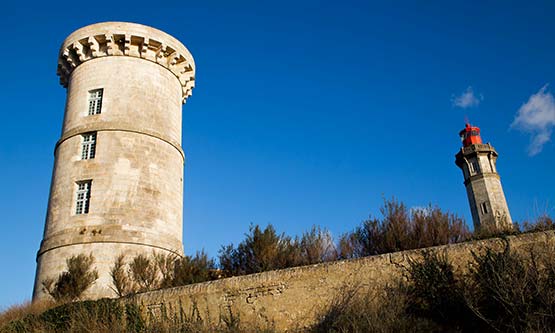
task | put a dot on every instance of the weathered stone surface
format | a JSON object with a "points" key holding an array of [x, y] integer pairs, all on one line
{"points": [[296, 298], [136, 174]]}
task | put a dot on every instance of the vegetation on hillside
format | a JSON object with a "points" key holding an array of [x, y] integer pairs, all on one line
{"points": [[500, 291], [143, 273], [431, 298], [403, 229], [265, 249]]}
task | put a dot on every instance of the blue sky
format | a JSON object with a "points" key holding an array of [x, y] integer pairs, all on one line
{"points": [[304, 112]]}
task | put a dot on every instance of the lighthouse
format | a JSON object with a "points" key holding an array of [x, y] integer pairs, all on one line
{"points": [[482, 181]]}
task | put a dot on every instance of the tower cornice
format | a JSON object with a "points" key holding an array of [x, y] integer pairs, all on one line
{"points": [[478, 148], [473, 150], [127, 39]]}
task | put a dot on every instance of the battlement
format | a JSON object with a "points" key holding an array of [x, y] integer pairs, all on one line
{"points": [[127, 39]]}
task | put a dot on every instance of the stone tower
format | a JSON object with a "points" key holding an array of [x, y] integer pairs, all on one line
{"points": [[117, 183], [483, 184]]}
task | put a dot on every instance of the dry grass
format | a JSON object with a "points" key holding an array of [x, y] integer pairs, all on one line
{"points": [[368, 311], [109, 316], [502, 291], [19, 311]]}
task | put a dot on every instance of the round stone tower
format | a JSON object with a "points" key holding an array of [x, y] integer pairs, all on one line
{"points": [[477, 161], [117, 184]]}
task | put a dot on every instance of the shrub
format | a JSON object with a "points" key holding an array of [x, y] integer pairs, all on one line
{"points": [[70, 285], [120, 278], [262, 250], [316, 246], [145, 273], [514, 291], [191, 269], [400, 230], [432, 292], [504, 291], [501, 291], [356, 311], [542, 223], [265, 249]]}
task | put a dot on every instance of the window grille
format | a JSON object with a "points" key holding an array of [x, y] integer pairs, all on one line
{"points": [[88, 146], [95, 101], [83, 197]]}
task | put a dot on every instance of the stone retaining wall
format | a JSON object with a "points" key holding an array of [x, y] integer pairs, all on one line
{"points": [[295, 298]]}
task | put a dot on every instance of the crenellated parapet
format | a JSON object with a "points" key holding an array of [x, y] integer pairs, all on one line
{"points": [[127, 39]]}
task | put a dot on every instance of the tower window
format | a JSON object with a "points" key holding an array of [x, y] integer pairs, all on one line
{"points": [[484, 207], [88, 147], [95, 101], [474, 166], [83, 197]]}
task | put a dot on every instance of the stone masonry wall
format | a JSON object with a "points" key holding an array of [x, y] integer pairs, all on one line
{"points": [[296, 298]]}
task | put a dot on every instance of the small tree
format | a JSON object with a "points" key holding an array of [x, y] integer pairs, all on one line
{"points": [[70, 285]]}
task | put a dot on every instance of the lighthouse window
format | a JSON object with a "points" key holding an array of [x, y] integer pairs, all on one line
{"points": [[88, 146], [83, 197], [95, 101], [474, 166], [484, 207]]}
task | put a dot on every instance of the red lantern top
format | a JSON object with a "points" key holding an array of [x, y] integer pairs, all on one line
{"points": [[470, 135]]}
